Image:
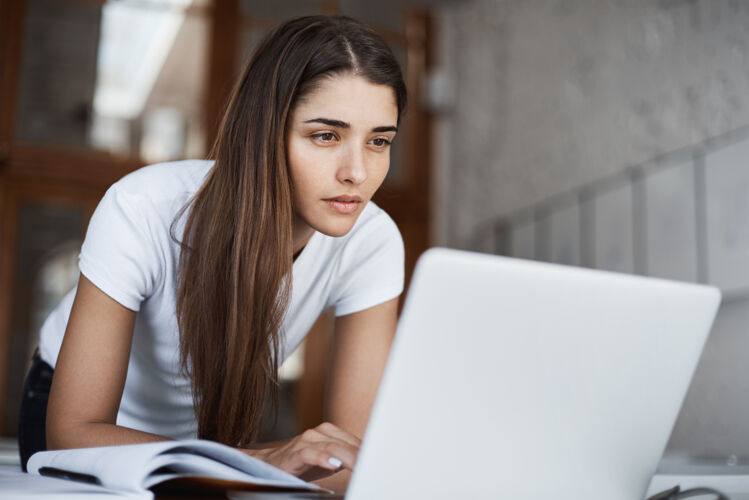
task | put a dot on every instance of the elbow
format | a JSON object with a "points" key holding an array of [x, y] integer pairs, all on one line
{"points": [[67, 430], [57, 427], [58, 432], [65, 433]]}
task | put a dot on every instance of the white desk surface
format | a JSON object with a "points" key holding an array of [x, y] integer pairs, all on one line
{"points": [[733, 481]]}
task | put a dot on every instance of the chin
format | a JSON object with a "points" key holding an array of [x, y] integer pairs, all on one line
{"points": [[336, 229], [336, 232]]}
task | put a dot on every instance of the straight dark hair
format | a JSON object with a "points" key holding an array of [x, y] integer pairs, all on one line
{"points": [[237, 246]]}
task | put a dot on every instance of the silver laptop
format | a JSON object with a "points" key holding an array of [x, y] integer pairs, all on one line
{"points": [[523, 380]]}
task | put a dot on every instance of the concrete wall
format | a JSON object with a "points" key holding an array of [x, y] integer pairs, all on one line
{"points": [[555, 94], [540, 97]]}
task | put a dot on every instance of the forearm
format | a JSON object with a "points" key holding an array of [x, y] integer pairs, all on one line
{"points": [[88, 434]]}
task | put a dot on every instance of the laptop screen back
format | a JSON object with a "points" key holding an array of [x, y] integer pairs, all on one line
{"points": [[519, 379]]}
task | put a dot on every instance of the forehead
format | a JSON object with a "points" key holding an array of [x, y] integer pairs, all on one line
{"points": [[352, 99]]}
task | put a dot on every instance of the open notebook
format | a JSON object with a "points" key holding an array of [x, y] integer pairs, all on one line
{"points": [[179, 465]]}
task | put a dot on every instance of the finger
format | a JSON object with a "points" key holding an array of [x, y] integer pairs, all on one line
{"points": [[346, 453], [332, 457], [313, 449], [333, 431]]}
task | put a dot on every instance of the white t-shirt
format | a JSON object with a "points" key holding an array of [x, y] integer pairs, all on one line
{"points": [[130, 255]]}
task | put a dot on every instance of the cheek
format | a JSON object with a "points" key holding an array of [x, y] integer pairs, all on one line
{"points": [[301, 169], [308, 182], [302, 187], [380, 170]]}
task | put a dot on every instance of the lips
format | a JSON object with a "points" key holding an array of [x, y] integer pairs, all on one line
{"points": [[344, 204]]}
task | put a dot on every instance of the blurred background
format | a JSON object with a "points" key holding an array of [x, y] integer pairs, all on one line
{"points": [[611, 134]]}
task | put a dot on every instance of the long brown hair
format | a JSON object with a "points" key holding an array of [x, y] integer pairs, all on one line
{"points": [[236, 259]]}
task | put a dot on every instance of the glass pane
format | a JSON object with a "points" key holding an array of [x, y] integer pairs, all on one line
{"points": [[58, 72], [384, 13], [280, 10], [124, 76], [46, 268]]}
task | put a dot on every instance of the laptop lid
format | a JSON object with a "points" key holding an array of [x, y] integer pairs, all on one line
{"points": [[519, 379]]}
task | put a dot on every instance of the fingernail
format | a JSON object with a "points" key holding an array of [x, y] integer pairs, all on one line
{"points": [[335, 462]]}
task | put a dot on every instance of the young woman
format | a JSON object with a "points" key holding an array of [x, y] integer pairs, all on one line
{"points": [[198, 278]]}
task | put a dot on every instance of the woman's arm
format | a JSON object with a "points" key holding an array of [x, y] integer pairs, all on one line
{"points": [[361, 346], [90, 374], [360, 349]]}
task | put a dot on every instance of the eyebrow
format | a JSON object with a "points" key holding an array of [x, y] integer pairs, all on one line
{"points": [[341, 124]]}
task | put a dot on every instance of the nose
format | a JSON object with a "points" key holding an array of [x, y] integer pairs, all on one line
{"points": [[353, 169]]}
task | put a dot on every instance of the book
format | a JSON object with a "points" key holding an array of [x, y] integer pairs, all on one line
{"points": [[17, 485], [190, 465]]}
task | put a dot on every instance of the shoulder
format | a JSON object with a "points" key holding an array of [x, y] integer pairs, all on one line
{"points": [[129, 245], [164, 180]]}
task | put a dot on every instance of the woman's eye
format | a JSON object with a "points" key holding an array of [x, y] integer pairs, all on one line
{"points": [[324, 137], [381, 142]]}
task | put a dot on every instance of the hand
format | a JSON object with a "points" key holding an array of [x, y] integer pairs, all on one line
{"points": [[314, 454]]}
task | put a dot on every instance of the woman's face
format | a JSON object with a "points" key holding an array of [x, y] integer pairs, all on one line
{"points": [[338, 148]]}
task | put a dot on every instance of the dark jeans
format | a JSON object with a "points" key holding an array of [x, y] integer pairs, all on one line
{"points": [[32, 436]]}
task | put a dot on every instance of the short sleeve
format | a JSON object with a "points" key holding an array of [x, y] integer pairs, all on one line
{"points": [[371, 267], [119, 255]]}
